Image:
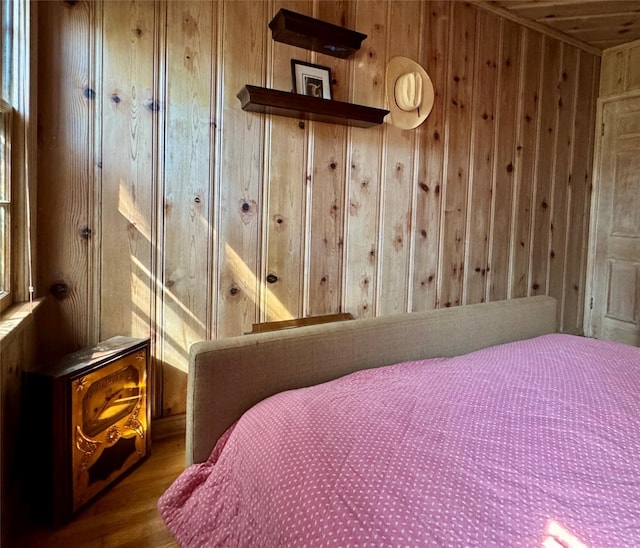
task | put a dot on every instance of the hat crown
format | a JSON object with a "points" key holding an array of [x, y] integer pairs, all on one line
{"points": [[408, 91]]}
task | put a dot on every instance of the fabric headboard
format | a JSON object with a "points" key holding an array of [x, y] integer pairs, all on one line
{"points": [[228, 376]]}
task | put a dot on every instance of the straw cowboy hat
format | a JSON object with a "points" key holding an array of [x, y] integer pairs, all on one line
{"points": [[409, 93]]}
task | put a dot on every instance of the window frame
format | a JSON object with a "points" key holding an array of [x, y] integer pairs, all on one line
{"points": [[6, 192], [18, 70]]}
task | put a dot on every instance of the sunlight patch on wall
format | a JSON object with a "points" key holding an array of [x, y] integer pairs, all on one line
{"points": [[129, 210], [275, 309]]}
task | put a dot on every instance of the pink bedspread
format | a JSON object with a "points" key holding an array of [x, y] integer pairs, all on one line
{"points": [[534, 443]]}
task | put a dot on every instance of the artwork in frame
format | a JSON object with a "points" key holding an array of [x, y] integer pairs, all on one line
{"points": [[310, 79]]}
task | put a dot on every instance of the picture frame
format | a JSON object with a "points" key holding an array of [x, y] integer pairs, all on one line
{"points": [[310, 79]]}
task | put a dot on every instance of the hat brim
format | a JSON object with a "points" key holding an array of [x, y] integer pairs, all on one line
{"points": [[407, 119]]}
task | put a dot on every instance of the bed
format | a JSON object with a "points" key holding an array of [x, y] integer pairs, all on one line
{"points": [[468, 426]]}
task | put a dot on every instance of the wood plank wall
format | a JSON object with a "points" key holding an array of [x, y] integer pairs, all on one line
{"points": [[17, 354], [620, 69], [164, 210]]}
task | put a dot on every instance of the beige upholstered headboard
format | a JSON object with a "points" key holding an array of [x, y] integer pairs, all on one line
{"points": [[228, 376]]}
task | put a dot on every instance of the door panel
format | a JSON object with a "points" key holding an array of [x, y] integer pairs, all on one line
{"points": [[616, 261], [622, 286]]}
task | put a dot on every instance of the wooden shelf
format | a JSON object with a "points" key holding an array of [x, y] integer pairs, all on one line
{"points": [[306, 32], [304, 107]]}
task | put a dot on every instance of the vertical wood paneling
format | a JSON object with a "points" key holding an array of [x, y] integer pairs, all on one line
{"points": [[436, 21], [620, 69], [579, 198], [459, 103], [505, 160], [398, 178], [64, 168], [126, 207], [482, 157], [363, 182], [561, 176], [285, 217], [614, 63], [241, 153], [547, 137], [17, 355], [526, 160], [242, 217], [187, 165], [328, 174], [633, 68], [326, 213]]}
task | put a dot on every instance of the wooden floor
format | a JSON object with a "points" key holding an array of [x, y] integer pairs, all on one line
{"points": [[125, 515]]}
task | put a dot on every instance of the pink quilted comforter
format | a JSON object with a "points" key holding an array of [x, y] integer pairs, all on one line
{"points": [[534, 443]]}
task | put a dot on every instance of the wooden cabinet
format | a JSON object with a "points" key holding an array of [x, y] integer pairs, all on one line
{"points": [[87, 424]]}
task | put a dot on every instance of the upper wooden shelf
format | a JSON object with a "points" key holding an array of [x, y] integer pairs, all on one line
{"points": [[306, 32], [305, 107]]}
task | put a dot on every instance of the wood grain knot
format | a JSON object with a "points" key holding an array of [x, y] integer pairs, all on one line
{"points": [[152, 105], [60, 290], [272, 278], [89, 93]]}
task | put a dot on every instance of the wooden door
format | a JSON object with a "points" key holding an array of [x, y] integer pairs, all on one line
{"points": [[615, 295]]}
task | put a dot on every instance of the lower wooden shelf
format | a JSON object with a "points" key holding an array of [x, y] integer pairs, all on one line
{"points": [[305, 107]]}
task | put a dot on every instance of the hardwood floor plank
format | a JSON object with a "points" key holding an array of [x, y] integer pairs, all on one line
{"points": [[125, 516]]}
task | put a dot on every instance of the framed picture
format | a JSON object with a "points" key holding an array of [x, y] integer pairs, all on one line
{"points": [[309, 79]]}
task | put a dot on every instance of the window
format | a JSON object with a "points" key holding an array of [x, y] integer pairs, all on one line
{"points": [[5, 204], [17, 150], [5, 155]]}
